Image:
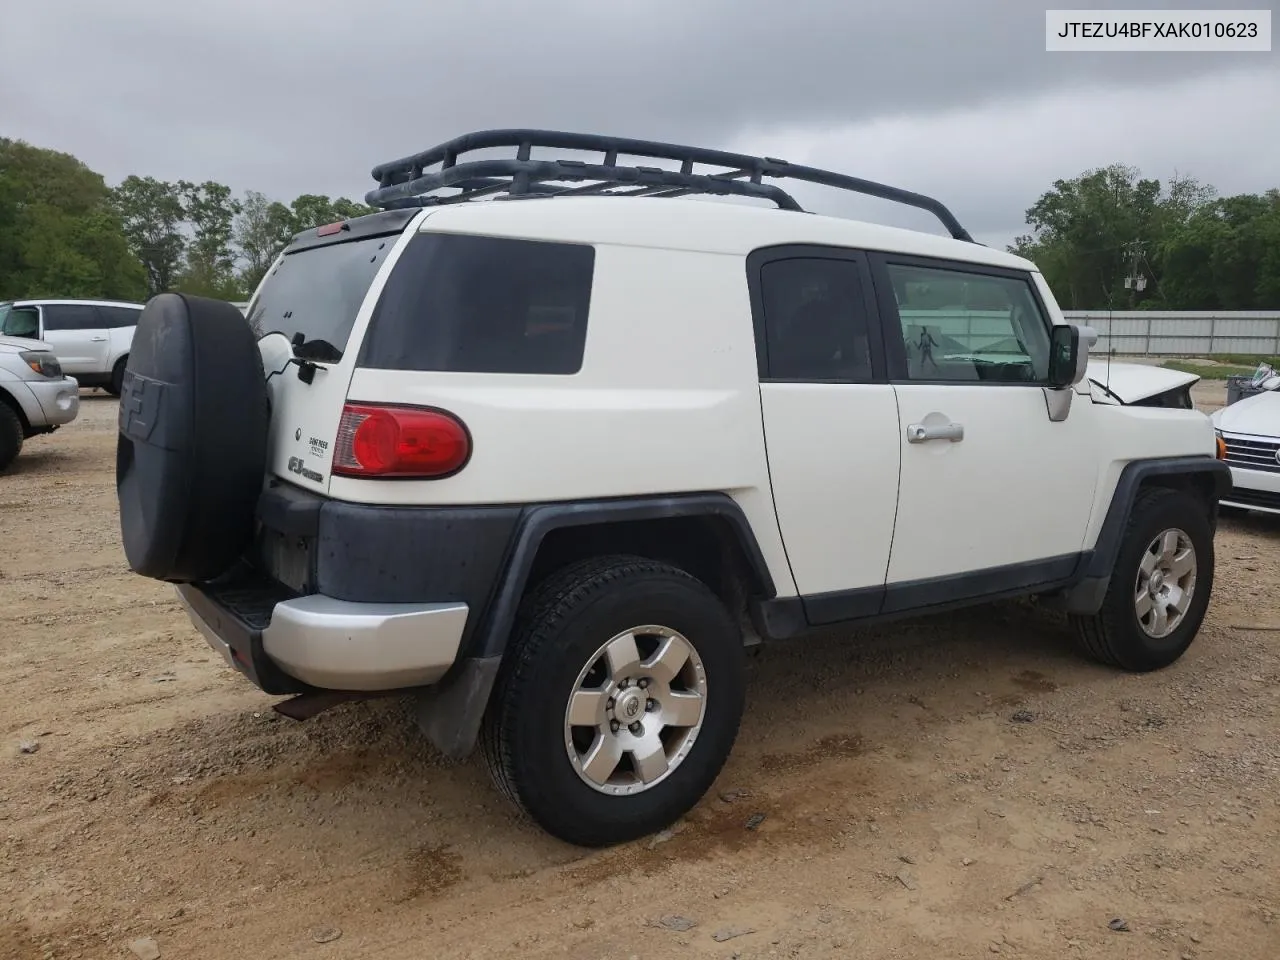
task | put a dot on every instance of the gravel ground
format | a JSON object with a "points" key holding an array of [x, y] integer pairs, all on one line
{"points": [[958, 787]]}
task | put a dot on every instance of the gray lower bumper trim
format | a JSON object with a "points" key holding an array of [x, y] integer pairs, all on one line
{"points": [[339, 645]]}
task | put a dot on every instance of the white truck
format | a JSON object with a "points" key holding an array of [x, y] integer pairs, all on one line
{"points": [[547, 442], [35, 397]]}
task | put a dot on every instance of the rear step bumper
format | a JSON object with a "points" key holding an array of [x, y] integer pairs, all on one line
{"points": [[317, 642]]}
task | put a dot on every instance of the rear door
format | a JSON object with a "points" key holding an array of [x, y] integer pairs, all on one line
{"points": [[830, 422], [315, 292], [78, 335]]}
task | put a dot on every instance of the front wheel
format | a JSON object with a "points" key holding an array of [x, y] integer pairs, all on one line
{"points": [[619, 700], [1159, 590], [10, 435]]}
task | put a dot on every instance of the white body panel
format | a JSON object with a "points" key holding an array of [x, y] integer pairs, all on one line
{"points": [[1125, 434], [639, 418], [834, 463], [1017, 488], [81, 351]]}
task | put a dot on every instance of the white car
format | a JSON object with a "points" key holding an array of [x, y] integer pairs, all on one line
{"points": [[550, 462], [35, 396], [1250, 431], [91, 338]]}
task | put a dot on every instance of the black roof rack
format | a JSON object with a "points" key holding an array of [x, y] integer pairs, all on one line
{"points": [[409, 182]]}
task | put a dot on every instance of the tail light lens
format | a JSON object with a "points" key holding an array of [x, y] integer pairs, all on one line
{"points": [[396, 441]]}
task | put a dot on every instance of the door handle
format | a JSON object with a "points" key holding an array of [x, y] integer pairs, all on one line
{"points": [[97, 339], [921, 432]]}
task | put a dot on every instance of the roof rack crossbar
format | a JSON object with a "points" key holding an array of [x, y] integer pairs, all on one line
{"points": [[411, 181]]}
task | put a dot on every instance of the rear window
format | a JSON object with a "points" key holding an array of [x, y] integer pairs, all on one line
{"points": [[318, 291], [466, 304], [118, 317]]}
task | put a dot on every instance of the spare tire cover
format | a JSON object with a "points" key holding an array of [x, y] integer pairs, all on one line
{"points": [[192, 447]]}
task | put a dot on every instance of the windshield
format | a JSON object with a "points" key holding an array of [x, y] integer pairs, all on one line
{"points": [[317, 292], [19, 321]]}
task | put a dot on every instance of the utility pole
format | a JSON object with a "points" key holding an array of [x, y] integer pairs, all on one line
{"points": [[1135, 282]]}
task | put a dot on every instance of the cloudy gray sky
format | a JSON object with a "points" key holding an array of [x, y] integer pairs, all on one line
{"points": [[956, 98]]}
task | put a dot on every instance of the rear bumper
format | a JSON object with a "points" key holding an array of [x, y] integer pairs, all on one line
{"points": [[293, 644]]}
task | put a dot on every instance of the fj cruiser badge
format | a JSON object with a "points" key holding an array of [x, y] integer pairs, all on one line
{"points": [[297, 466]]}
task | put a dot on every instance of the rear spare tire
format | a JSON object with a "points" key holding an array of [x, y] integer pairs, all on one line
{"points": [[192, 446]]}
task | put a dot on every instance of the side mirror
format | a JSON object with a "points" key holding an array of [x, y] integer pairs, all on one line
{"points": [[1069, 354]]}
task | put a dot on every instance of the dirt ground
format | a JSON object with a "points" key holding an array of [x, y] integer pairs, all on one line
{"points": [[950, 788]]}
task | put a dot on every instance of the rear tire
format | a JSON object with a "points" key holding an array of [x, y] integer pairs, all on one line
{"points": [[583, 775], [10, 435], [116, 384], [1165, 564]]}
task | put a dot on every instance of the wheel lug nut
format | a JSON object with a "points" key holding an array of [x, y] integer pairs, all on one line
{"points": [[636, 728], [644, 684], [650, 706], [614, 725]]}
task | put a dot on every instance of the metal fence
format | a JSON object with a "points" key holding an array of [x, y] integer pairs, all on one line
{"points": [[1183, 333]]}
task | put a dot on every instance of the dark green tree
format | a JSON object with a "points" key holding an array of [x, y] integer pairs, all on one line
{"points": [[210, 212], [153, 214], [59, 233], [262, 229]]}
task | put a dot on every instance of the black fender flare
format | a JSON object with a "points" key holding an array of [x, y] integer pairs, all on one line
{"points": [[1086, 596], [450, 713]]}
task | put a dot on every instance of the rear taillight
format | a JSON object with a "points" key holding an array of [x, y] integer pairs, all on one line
{"points": [[394, 441]]}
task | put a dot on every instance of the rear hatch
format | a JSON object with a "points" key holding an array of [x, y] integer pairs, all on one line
{"points": [[304, 312]]}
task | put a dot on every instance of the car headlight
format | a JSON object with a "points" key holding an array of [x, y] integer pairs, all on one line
{"points": [[43, 363]]}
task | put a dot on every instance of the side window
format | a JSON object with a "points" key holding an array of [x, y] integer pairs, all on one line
{"points": [[815, 320], [71, 316], [22, 322], [964, 326], [467, 304], [116, 317]]}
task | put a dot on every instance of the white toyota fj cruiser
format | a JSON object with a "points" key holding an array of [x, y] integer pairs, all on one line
{"points": [[551, 461]]}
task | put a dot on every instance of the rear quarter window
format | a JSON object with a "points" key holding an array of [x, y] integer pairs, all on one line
{"points": [[467, 304], [119, 317]]}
